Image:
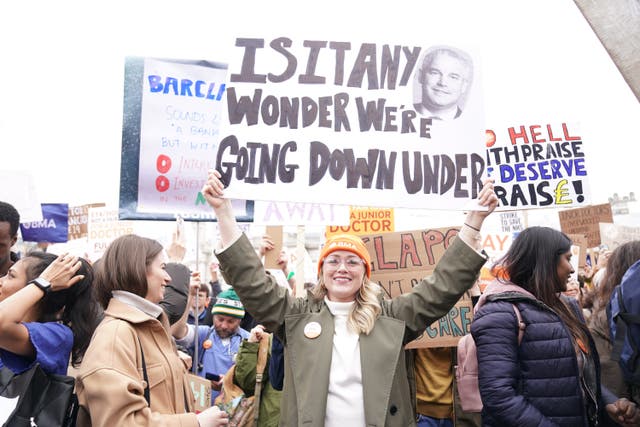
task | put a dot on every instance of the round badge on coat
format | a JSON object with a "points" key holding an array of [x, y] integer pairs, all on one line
{"points": [[312, 330]]}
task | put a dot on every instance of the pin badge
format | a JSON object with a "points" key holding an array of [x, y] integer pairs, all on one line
{"points": [[312, 330]]}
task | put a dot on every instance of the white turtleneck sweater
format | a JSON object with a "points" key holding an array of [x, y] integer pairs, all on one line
{"points": [[345, 401]]}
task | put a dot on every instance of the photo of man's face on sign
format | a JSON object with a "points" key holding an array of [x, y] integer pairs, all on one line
{"points": [[442, 82]]}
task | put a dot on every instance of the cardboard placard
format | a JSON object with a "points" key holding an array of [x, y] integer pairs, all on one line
{"points": [[580, 241], [400, 260], [614, 235], [79, 220], [271, 257], [586, 221], [201, 388]]}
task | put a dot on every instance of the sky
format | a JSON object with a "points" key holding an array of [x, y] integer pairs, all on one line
{"points": [[63, 66]]}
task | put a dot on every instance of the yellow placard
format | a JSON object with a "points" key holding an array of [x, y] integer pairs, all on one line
{"points": [[363, 221]]}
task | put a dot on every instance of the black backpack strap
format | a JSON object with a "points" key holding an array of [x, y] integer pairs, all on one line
{"points": [[147, 394]]}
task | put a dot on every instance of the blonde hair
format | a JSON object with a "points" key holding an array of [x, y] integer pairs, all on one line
{"points": [[366, 307]]}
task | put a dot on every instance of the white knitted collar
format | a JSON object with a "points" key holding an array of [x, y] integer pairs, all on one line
{"points": [[339, 308]]}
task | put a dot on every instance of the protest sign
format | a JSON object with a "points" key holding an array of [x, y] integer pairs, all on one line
{"points": [[104, 227], [201, 388], [364, 221], [586, 221], [580, 241], [538, 165], [512, 221], [400, 260], [343, 119], [53, 228], [172, 111], [298, 213], [78, 220], [496, 244], [614, 235], [271, 257], [19, 190]]}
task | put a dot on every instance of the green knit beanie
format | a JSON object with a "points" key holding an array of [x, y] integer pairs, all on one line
{"points": [[228, 304]]}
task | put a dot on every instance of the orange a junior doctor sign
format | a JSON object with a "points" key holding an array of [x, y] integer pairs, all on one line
{"points": [[363, 221]]}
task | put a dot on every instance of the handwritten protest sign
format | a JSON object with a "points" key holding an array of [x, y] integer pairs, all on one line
{"points": [[172, 111], [364, 221], [614, 235], [400, 260], [340, 118], [538, 165], [512, 221], [179, 127], [78, 220], [586, 221], [299, 213], [580, 241], [103, 228], [201, 389]]}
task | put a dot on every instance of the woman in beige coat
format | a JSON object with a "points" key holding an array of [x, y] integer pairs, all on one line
{"points": [[111, 385], [345, 363]]}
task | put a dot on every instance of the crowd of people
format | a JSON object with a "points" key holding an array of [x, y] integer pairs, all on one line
{"points": [[132, 326]]}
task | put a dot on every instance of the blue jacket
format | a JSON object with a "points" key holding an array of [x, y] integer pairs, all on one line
{"points": [[536, 383]]}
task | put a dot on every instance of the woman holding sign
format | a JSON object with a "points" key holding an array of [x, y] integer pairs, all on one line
{"points": [[345, 362]]}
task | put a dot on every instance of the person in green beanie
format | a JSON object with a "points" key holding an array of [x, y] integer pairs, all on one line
{"points": [[217, 344]]}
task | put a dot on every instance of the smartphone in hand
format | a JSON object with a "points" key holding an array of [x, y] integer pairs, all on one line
{"points": [[212, 377]]}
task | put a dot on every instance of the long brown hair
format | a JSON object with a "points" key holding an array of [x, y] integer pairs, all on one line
{"points": [[532, 263], [622, 257]]}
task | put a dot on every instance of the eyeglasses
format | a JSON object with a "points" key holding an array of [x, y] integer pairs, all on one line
{"points": [[352, 263]]}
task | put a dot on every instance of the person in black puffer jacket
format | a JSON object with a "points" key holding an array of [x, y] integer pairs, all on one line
{"points": [[552, 378]]}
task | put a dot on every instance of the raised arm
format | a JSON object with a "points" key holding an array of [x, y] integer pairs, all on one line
{"points": [[213, 192], [180, 328]]}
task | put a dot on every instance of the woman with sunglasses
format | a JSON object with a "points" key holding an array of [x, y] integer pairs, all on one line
{"points": [[345, 362]]}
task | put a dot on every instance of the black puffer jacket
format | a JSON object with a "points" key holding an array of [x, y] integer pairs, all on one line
{"points": [[536, 383]]}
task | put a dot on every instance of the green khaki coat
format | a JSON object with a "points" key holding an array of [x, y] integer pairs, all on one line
{"points": [[387, 369]]}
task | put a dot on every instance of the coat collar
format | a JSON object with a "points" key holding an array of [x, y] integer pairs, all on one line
{"points": [[311, 362], [120, 310]]}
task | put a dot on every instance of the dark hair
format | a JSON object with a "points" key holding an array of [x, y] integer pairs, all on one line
{"points": [[206, 288], [9, 214], [532, 263], [180, 276], [123, 267], [622, 257], [80, 311], [176, 293]]}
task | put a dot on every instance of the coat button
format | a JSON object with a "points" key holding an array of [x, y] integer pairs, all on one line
{"points": [[393, 409]]}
